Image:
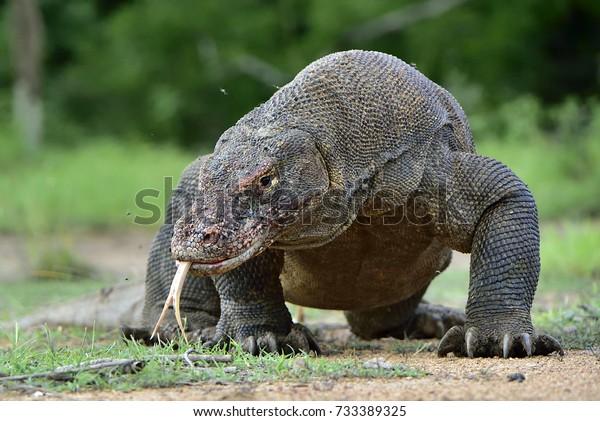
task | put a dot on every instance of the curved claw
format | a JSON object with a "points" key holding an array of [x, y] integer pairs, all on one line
{"points": [[299, 339], [295, 342], [471, 342], [268, 343], [477, 343], [546, 344], [132, 333], [506, 345], [313, 345], [250, 345], [217, 340], [452, 341], [526, 343], [311, 342]]}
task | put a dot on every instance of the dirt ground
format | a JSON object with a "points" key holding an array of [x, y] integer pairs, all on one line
{"points": [[576, 376]]}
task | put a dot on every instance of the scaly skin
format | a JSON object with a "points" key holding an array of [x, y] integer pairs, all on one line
{"points": [[348, 190]]}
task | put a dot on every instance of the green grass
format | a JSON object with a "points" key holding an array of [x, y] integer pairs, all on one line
{"points": [[570, 257], [42, 352], [26, 296], [92, 186], [576, 326], [570, 251]]}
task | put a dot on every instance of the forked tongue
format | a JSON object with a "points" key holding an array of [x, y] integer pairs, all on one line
{"points": [[173, 298]]}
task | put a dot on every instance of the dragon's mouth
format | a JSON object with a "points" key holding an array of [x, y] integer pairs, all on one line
{"points": [[202, 269], [222, 266]]}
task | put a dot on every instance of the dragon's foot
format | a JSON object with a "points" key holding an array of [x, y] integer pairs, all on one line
{"points": [[432, 321], [402, 320], [299, 339], [472, 342]]}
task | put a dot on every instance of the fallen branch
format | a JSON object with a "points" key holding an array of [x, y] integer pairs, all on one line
{"points": [[191, 356], [65, 373], [124, 366], [397, 20]]}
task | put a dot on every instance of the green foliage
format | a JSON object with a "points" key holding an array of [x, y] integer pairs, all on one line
{"points": [[555, 150], [570, 250], [150, 69], [513, 47]]}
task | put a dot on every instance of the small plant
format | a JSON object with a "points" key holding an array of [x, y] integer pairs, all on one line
{"points": [[576, 326]]}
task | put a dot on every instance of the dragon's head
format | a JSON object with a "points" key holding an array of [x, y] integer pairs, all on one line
{"points": [[254, 190]]}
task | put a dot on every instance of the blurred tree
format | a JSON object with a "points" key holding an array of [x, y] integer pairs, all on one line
{"points": [[27, 48]]}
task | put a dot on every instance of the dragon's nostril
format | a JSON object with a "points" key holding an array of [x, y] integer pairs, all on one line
{"points": [[210, 237]]}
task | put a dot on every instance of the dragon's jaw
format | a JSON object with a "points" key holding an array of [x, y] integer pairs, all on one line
{"points": [[222, 266]]}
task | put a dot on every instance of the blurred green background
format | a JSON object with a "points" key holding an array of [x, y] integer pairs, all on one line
{"points": [[100, 99]]}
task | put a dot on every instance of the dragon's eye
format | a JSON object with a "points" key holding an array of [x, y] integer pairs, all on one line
{"points": [[266, 181]]}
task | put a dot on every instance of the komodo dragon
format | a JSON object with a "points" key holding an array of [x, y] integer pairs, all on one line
{"points": [[348, 189]]}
